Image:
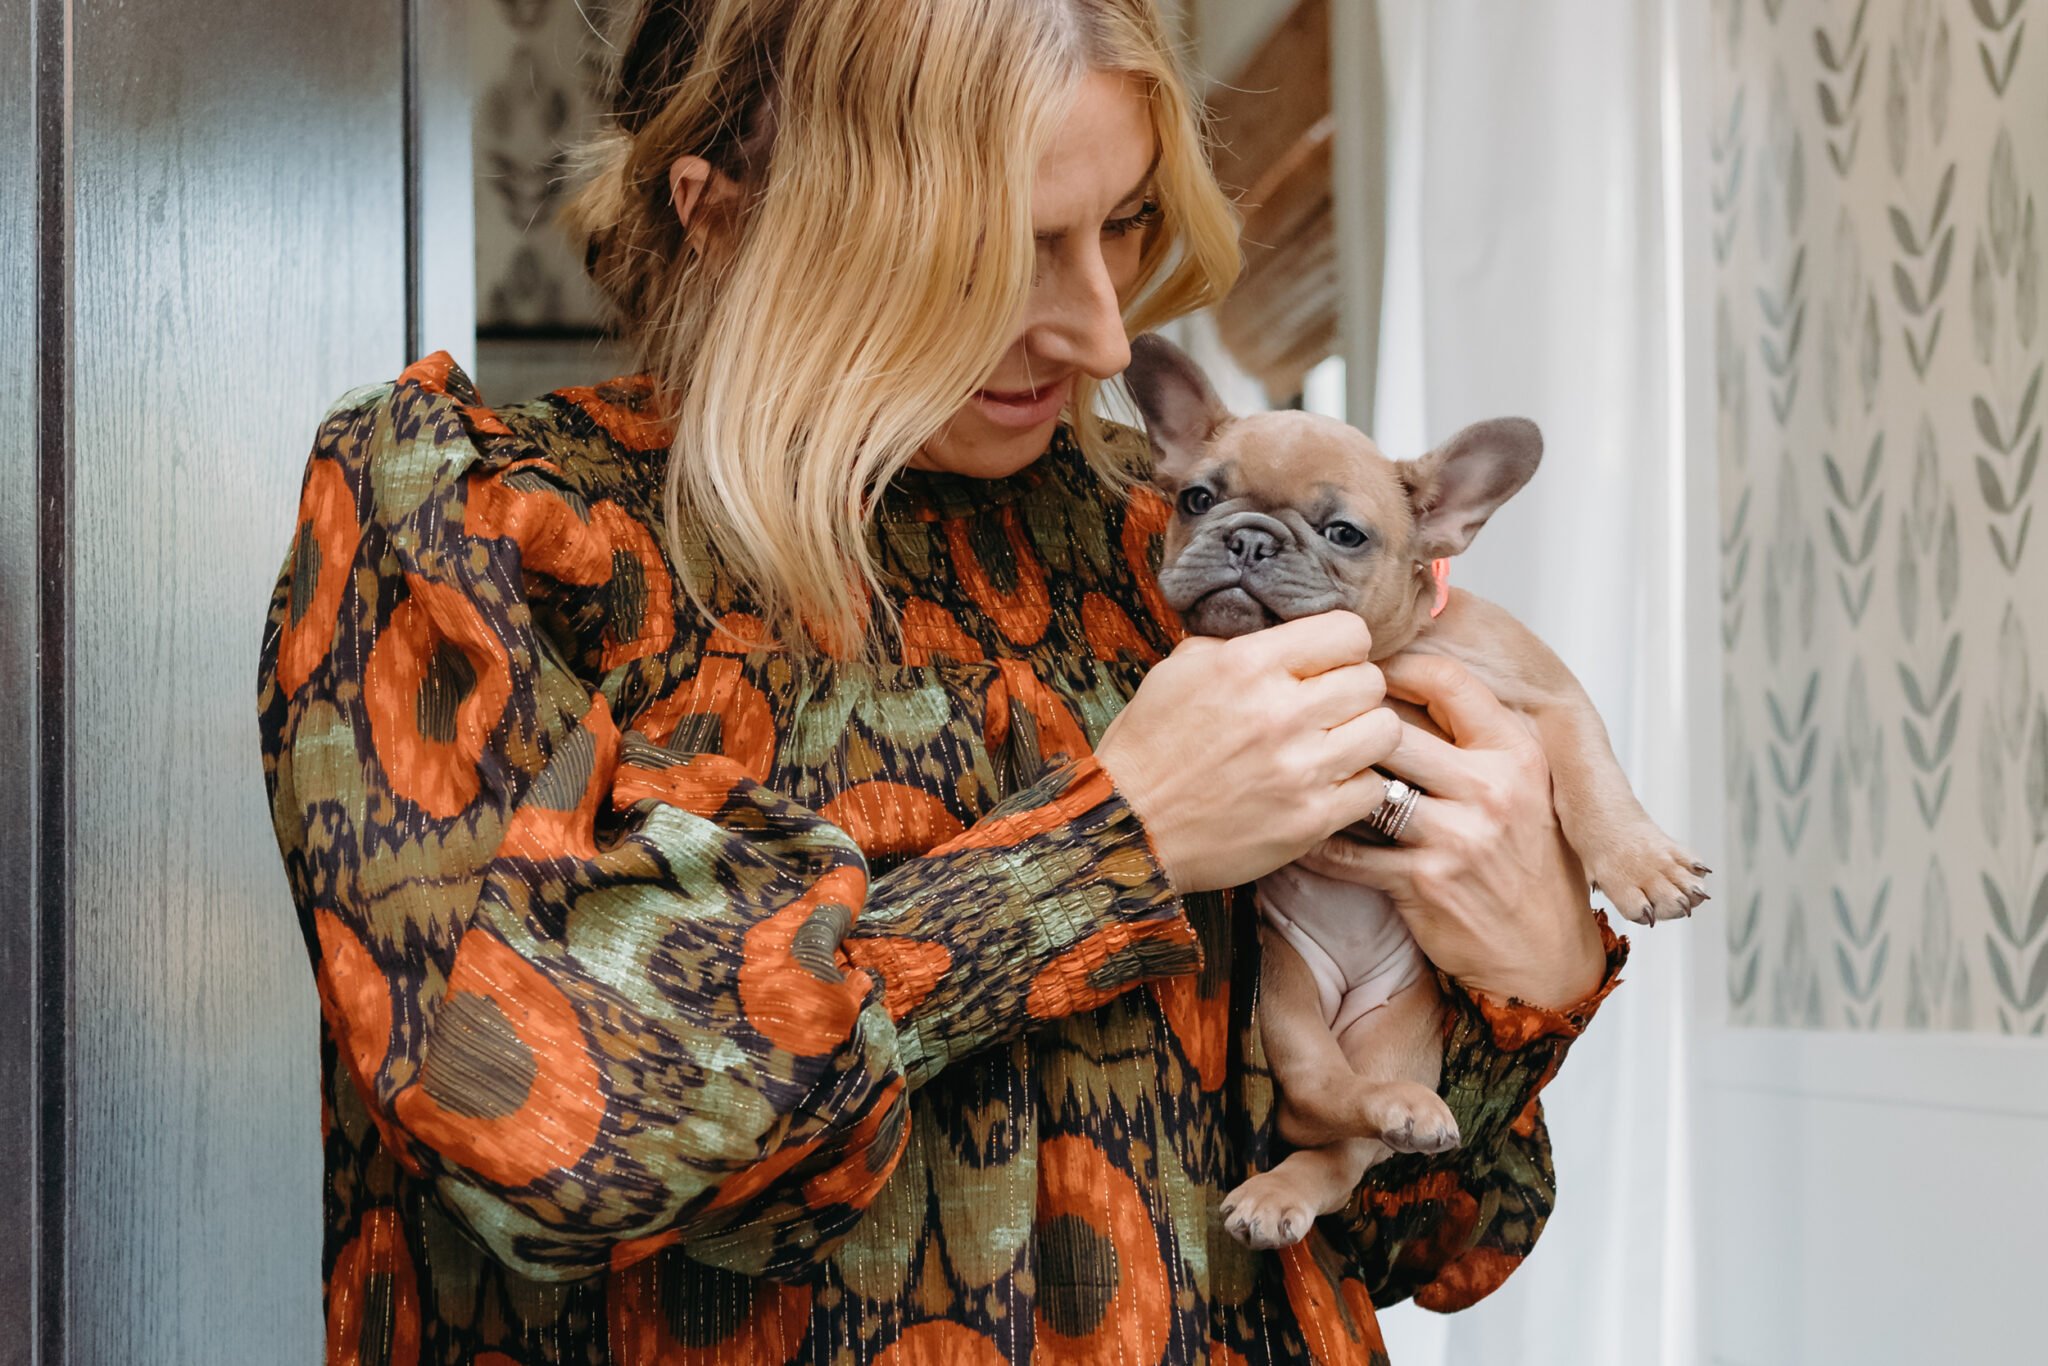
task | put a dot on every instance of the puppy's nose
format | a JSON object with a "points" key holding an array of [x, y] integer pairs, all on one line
{"points": [[1250, 544]]}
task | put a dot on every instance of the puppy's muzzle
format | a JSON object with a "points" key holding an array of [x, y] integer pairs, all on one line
{"points": [[1244, 570], [1250, 544]]}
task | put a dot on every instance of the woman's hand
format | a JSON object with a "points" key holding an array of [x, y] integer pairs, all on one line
{"points": [[1483, 876], [1241, 755]]}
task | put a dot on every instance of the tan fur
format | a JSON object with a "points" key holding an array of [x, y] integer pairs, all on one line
{"points": [[1350, 1102]]}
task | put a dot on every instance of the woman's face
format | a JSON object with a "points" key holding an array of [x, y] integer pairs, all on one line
{"points": [[1091, 202]]}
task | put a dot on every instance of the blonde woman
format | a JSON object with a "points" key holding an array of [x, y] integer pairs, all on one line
{"points": [[766, 855]]}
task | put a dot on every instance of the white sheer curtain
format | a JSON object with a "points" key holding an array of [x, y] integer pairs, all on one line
{"points": [[1532, 269]]}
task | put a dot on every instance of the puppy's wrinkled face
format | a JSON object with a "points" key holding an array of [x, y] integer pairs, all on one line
{"points": [[1283, 515]]}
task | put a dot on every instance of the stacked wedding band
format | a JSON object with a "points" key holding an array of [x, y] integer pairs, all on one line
{"points": [[1395, 809]]}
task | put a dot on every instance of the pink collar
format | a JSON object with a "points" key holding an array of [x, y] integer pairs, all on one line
{"points": [[1440, 570]]}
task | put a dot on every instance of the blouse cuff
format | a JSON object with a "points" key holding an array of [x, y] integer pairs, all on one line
{"points": [[1515, 1024], [1052, 904]]}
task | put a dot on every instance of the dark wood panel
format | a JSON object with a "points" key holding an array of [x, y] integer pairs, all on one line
{"points": [[240, 250], [1261, 111], [1273, 151], [21, 1038]]}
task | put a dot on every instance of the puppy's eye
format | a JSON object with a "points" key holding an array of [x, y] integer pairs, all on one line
{"points": [[1345, 534], [1196, 500]]}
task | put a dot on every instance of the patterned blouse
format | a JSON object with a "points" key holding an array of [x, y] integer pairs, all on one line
{"points": [[685, 1000]]}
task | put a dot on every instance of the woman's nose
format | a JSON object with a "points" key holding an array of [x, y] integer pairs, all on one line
{"points": [[1080, 321]]}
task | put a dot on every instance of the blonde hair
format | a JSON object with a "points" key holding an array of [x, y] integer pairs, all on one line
{"points": [[819, 329]]}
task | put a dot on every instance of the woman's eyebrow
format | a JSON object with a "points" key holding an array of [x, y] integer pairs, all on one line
{"points": [[1144, 183], [1143, 186]]}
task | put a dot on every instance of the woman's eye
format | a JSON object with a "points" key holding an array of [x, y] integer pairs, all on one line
{"points": [[1344, 534], [1196, 501], [1145, 217]]}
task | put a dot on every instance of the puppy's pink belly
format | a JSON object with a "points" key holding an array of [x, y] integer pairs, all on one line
{"points": [[1354, 942]]}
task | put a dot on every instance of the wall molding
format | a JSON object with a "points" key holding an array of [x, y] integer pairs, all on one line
{"points": [[1985, 1073]]}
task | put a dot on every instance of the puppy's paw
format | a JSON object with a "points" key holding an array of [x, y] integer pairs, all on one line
{"points": [[1646, 876], [1410, 1118], [1270, 1210]]}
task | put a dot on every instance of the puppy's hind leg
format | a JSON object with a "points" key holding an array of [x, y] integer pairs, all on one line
{"points": [[1276, 1208], [1392, 1057], [1322, 1099], [1398, 1051]]}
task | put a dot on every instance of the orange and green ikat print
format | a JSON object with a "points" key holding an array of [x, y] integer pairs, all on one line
{"points": [[689, 999]]}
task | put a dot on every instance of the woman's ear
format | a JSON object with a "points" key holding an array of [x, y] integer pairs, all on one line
{"points": [[688, 179]]}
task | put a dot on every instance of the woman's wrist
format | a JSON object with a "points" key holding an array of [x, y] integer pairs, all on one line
{"points": [[1551, 975], [1572, 972], [1561, 1010]]}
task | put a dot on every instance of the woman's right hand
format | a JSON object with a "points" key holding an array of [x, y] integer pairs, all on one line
{"points": [[1241, 755]]}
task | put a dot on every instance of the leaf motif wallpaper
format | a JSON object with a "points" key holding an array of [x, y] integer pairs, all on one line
{"points": [[1879, 178]]}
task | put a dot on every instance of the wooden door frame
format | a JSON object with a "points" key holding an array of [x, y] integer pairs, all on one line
{"points": [[37, 274], [34, 594]]}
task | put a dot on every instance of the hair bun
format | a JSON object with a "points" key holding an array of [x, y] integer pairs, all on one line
{"points": [[595, 209]]}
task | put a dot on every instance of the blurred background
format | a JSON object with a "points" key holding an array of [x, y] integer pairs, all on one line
{"points": [[1768, 273]]}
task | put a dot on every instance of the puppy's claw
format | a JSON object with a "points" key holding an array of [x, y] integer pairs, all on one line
{"points": [[1411, 1119], [1266, 1212], [1644, 877]]}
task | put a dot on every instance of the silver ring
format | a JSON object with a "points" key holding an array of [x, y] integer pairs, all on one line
{"points": [[1395, 810]]}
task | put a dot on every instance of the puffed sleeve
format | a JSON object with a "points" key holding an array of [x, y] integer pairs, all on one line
{"points": [[1448, 1229], [601, 996]]}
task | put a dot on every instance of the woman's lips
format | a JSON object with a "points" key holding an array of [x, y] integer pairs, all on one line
{"points": [[1024, 408]]}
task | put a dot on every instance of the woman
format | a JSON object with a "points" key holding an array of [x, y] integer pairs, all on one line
{"points": [[759, 912]]}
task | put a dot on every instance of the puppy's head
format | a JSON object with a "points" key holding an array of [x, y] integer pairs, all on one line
{"points": [[1281, 515]]}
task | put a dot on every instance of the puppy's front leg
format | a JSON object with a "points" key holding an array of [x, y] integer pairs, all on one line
{"points": [[1626, 855]]}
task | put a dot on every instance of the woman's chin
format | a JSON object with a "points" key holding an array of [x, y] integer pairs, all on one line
{"points": [[983, 450]]}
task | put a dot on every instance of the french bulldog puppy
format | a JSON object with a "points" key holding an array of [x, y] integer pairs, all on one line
{"points": [[1286, 514]]}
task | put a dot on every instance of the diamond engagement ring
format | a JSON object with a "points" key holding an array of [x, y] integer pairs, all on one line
{"points": [[1395, 809]]}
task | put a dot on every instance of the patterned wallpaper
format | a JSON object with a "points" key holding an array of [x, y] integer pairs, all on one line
{"points": [[1879, 173], [536, 65]]}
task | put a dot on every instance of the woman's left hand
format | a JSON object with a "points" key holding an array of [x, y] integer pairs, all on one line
{"points": [[1483, 875]]}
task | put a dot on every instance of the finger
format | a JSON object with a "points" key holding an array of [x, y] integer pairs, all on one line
{"points": [[1432, 763], [1425, 813], [1369, 865], [1457, 701], [1307, 646], [1351, 750], [1347, 691]]}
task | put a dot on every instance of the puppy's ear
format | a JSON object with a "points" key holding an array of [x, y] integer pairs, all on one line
{"points": [[1457, 486], [1181, 411]]}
